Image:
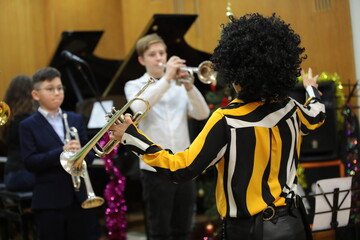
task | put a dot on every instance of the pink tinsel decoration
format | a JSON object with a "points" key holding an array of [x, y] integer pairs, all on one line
{"points": [[115, 214]]}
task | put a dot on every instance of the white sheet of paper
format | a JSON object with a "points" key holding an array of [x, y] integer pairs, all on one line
{"points": [[322, 221], [97, 117]]}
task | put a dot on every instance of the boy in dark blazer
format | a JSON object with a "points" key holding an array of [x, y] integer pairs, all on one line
{"points": [[56, 204]]}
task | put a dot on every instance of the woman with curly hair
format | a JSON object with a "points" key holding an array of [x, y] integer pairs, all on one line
{"points": [[18, 97], [255, 140]]}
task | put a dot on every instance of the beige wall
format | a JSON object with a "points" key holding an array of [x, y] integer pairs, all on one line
{"points": [[30, 29]]}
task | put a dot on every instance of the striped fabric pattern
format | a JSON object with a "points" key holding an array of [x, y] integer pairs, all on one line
{"points": [[255, 147]]}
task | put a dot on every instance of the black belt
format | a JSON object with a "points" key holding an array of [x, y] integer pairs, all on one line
{"points": [[270, 212]]}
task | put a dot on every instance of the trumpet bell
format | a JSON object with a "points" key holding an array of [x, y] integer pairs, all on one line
{"points": [[92, 202], [4, 113], [68, 165], [206, 74]]}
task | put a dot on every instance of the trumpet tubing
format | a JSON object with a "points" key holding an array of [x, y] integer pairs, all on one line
{"points": [[75, 161], [76, 182], [4, 113]]}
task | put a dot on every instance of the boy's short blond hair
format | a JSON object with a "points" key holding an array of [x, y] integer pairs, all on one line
{"points": [[143, 43]]}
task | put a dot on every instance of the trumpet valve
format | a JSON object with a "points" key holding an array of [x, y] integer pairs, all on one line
{"points": [[109, 115]]}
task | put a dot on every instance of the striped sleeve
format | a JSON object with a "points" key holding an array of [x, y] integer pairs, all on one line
{"points": [[206, 150], [312, 113], [135, 141]]}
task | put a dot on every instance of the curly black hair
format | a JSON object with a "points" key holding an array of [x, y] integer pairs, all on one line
{"points": [[261, 54]]}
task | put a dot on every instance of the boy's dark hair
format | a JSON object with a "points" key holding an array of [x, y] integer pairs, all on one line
{"points": [[45, 74], [261, 54]]}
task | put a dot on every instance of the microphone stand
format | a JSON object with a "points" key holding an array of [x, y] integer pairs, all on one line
{"points": [[90, 82]]}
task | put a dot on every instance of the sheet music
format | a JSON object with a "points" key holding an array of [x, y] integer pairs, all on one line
{"points": [[98, 112], [323, 220]]}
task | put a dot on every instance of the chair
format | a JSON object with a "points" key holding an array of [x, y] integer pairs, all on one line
{"points": [[15, 212]]}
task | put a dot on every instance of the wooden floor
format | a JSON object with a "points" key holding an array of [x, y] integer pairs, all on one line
{"points": [[136, 230], [136, 226]]}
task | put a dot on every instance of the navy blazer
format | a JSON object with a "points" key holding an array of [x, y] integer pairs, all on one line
{"points": [[41, 148]]}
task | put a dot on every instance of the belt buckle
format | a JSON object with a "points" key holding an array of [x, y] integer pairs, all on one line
{"points": [[272, 215]]}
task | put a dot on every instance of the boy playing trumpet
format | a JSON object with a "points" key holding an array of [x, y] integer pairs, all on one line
{"points": [[169, 206]]}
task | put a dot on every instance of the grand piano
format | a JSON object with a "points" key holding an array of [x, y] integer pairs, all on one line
{"points": [[99, 78]]}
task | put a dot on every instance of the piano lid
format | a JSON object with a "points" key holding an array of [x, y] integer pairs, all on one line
{"points": [[80, 43], [82, 81], [172, 28]]}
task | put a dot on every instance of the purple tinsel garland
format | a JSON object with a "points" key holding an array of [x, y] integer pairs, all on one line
{"points": [[352, 162], [115, 214]]}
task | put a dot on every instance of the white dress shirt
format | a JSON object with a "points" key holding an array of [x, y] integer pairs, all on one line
{"points": [[56, 121], [166, 123]]}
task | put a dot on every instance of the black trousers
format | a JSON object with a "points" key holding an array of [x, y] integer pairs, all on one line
{"points": [[283, 227], [71, 223], [170, 207]]}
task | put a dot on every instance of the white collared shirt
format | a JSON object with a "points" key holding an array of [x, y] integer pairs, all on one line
{"points": [[55, 121], [167, 121]]}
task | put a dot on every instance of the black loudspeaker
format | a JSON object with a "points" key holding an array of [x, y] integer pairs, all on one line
{"points": [[321, 144]]}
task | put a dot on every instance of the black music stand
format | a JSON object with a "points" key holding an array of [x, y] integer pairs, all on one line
{"points": [[332, 203]]}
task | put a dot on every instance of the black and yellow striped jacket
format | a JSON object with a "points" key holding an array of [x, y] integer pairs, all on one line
{"points": [[255, 147]]}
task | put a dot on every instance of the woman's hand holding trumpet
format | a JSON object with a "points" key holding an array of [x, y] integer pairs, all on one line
{"points": [[117, 130]]}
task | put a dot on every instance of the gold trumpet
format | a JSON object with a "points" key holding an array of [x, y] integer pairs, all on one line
{"points": [[204, 71], [92, 200], [74, 163], [4, 113]]}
